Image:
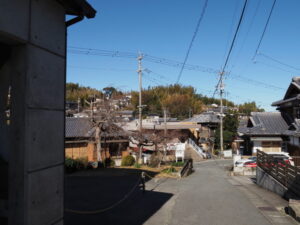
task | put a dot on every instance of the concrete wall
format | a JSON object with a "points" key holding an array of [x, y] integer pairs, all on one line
{"points": [[268, 182], [36, 30]]}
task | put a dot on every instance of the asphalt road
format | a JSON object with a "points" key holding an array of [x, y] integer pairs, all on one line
{"points": [[210, 197], [207, 197]]}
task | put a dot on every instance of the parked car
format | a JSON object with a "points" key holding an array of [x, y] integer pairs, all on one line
{"points": [[250, 164], [241, 162], [281, 157]]}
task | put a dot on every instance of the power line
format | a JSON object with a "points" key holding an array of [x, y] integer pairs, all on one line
{"points": [[162, 61], [231, 26], [279, 62], [264, 31], [220, 82], [249, 29], [100, 68], [234, 37], [193, 39], [275, 67]]}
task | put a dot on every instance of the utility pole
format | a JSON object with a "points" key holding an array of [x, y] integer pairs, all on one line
{"points": [[221, 88], [78, 105], [190, 112], [140, 57], [165, 132], [92, 108]]}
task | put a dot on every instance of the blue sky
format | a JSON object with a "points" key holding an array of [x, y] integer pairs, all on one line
{"points": [[164, 28]]}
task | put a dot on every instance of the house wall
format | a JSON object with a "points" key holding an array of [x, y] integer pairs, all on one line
{"points": [[36, 72], [294, 141], [266, 146], [81, 150], [256, 146]]}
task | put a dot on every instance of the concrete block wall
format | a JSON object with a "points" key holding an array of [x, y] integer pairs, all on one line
{"points": [[36, 30]]}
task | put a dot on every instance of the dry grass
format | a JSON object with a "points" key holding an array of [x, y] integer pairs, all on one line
{"points": [[157, 170]]}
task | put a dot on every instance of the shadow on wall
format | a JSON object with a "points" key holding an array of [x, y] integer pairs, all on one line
{"points": [[99, 189]]}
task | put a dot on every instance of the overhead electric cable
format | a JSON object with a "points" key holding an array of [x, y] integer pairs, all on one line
{"points": [[247, 32], [264, 31], [157, 60], [279, 62], [276, 67], [234, 37], [192, 41], [231, 46]]}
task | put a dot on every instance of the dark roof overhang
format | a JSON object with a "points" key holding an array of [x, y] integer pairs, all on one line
{"points": [[283, 101], [78, 8]]}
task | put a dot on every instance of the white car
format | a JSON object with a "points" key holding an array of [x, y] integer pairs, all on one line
{"points": [[241, 162]]}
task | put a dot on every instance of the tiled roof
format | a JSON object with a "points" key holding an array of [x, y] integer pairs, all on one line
{"points": [[204, 118], [292, 93], [265, 123], [79, 127], [294, 129]]}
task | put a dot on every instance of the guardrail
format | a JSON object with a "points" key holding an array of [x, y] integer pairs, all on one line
{"points": [[196, 147], [187, 168], [286, 174]]}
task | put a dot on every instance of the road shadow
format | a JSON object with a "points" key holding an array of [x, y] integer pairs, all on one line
{"points": [[96, 190]]}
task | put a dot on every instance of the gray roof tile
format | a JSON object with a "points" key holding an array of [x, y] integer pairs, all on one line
{"points": [[265, 123], [79, 127]]}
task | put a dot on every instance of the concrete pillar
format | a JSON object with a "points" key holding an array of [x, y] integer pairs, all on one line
{"points": [[36, 30], [4, 128]]}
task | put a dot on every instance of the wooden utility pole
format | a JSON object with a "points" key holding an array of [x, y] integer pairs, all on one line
{"points": [[221, 88], [140, 73], [78, 105], [165, 132]]}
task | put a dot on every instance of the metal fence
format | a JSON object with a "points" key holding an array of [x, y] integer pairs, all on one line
{"points": [[187, 168], [286, 174], [196, 147]]}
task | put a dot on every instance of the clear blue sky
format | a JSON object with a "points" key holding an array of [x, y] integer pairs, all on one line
{"points": [[164, 28]]}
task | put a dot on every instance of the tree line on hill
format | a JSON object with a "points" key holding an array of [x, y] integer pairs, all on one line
{"points": [[180, 101]]}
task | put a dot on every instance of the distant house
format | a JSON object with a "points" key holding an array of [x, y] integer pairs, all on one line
{"points": [[80, 139], [209, 122], [265, 132], [125, 115], [289, 107]]}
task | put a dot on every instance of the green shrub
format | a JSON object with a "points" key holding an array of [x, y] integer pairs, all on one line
{"points": [[177, 164], [136, 165], [72, 165], [82, 163], [127, 161], [169, 170], [108, 162]]}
